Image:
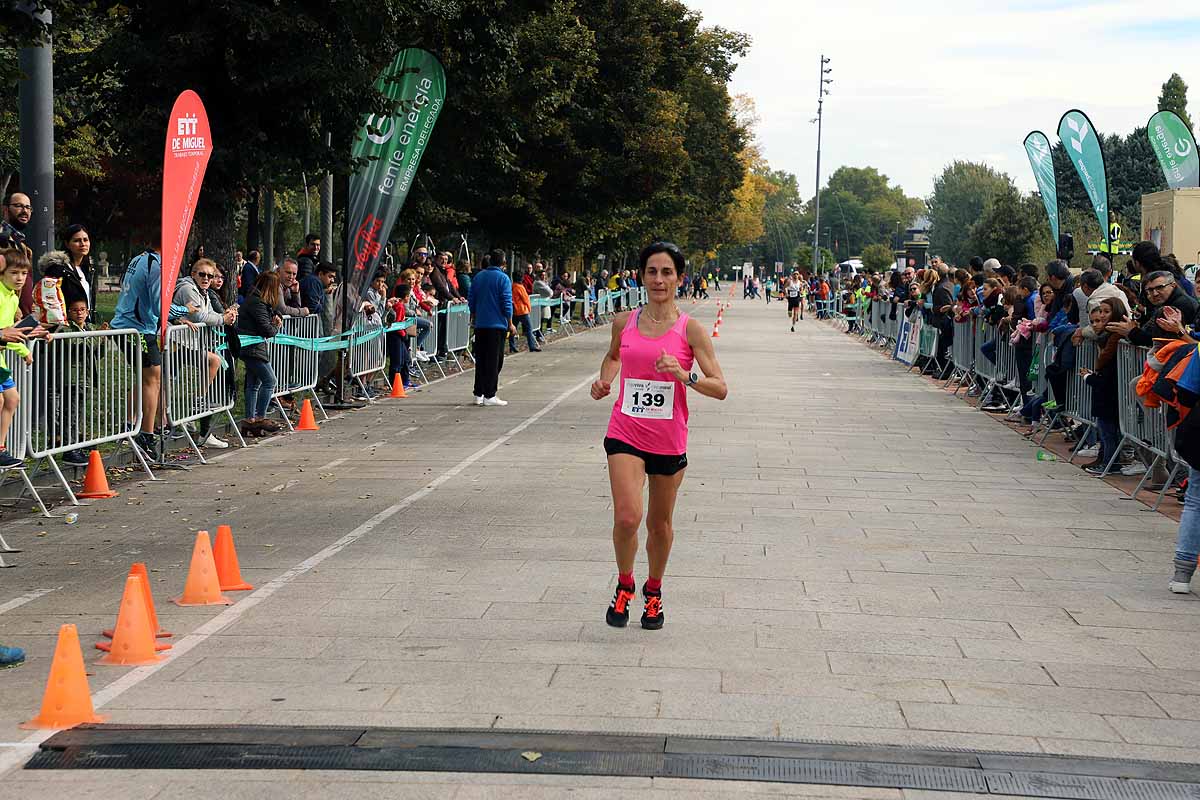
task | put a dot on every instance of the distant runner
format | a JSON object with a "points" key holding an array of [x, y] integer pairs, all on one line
{"points": [[653, 349], [793, 290]]}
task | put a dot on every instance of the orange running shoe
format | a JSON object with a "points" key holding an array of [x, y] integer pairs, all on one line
{"points": [[618, 611], [652, 617]]}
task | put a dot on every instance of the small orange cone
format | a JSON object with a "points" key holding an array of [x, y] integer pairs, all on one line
{"points": [[307, 421], [229, 572], [398, 386], [203, 588], [139, 569], [133, 638], [67, 701], [95, 480]]}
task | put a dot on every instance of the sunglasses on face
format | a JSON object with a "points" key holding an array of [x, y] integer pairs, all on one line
{"points": [[1159, 287], [206, 276]]}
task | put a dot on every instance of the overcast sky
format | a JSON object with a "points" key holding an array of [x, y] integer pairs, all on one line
{"points": [[920, 84]]}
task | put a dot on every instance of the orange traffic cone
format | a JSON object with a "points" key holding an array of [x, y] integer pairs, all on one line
{"points": [[398, 386], [203, 587], [95, 481], [139, 570], [67, 701], [307, 421], [133, 638], [229, 572]]}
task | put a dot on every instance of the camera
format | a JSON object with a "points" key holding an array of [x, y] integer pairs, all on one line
{"points": [[10, 236]]}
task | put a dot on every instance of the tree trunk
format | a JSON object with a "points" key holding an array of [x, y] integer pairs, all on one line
{"points": [[253, 232], [215, 228], [269, 229]]}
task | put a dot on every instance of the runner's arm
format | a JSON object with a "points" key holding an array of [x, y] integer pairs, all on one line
{"points": [[713, 382], [611, 365]]}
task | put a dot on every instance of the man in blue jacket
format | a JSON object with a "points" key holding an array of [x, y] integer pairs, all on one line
{"points": [[138, 307], [491, 304]]}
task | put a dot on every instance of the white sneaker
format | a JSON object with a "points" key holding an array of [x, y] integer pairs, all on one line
{"points": [[1179, 587], [215, 443], [478, 399], [1134, 468], [1089, 452], [421, 355], [494, 401]]}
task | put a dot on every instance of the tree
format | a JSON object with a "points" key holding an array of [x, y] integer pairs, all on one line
{"points": [[1008, 227], [861, 207], [1174, 98], [960, 196], [878, 257]]}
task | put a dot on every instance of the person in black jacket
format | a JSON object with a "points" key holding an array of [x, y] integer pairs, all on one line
{"points": [[1161, 292], [942, 317], [78, 245], [257, 317]]}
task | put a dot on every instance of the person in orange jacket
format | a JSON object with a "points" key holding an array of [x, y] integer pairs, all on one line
{"points": [[521, 308]]}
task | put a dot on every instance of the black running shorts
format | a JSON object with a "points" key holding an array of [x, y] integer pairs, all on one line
{"points": [[793, 303], [656, 464]]}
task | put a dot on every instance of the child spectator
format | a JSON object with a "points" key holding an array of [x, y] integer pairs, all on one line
{"points": [[397, 341], [521, 309], [68, 401], [14, 272], [1105, 386]]}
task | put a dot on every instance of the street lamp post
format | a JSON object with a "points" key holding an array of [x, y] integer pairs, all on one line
{"points": [[822, 83]]}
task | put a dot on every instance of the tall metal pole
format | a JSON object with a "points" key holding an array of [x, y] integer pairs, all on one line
{"points": [[36, 103], [327, 207], [822, 81], [269, 227]]}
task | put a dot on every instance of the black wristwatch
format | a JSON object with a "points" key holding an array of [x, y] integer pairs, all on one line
{"points": [[693, 377]]}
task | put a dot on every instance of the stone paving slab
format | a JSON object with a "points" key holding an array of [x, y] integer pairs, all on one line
{"points": [[859, 557]]}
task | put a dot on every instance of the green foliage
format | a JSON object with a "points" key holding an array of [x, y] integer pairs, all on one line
{"points": [[1132, 170], [1008, 227], [961, 194], [878, 257], [803, 256], [860, 208], [1174, 98], [568, 125]]}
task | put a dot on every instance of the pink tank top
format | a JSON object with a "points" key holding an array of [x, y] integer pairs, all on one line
{"points": [[666, 437]]}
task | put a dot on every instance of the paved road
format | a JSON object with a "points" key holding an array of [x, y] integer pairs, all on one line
{"points": [[859, 557]]}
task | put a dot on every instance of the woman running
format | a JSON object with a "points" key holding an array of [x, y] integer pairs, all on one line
{"points": [[653, 348]]}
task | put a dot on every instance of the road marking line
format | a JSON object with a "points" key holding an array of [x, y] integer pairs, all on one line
{"points": [[375, 445], [28, 597], [337, 462], [16, 755]]}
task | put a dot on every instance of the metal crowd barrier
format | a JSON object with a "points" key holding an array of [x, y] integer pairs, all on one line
{"points": [[927, 348], [296, 368], [1145, 427], [587, 309], [535, 314], [17, 442], [458, 331], [86, 391], [1079, 395], [962, 353], [984, 367], [194, 379], [367, 354], [1006, 376]]}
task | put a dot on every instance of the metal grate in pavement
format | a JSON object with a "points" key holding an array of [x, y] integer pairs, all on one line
{"points": [[573, 753]]}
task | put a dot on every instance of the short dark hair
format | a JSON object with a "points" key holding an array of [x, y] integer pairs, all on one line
{"points": [[1028, 284], [976, 264], [253, 255], [309, 238], [402, 290], [1029, 269], [669, 248], [497, 258], [1146, 254], [325, 266], [1058, 269], [1091, 279], [1158, 273], [1102, 265]]}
